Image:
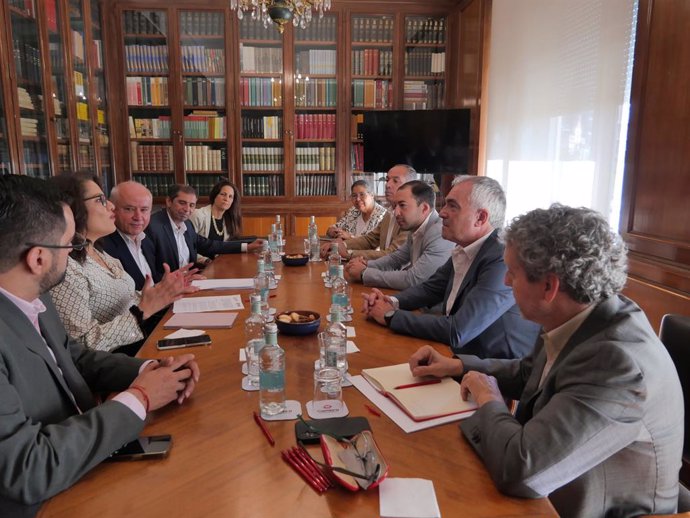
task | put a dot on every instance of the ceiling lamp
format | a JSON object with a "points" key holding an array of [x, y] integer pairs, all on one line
{"points": [[280, 12]]}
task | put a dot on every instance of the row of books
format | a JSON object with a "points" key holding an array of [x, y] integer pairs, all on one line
{"points": [[156, 183], [424, 62], [204, 124], [85, 158], [98, 52], [257, 126], [78, 50], [147, 91], [255, 30], [64, 160], [204, 91], [418, 95], [145, 22], [320, 158], [199, 58], [203, 183], [357, 156], [263, 185], [262, 158], [151, 157], [429, 30], [372, 93], [319, 29], [79, 87], [146, 58], [315, 61], [264, 60], [372, 62], [203, 158], [27, 61], [149, 128], [36, 153], [355, 129], [319, 92], [25, 100], [315, 125], [372, 29], [201, 23], [315, 185], [261, 91], [28, 126]]}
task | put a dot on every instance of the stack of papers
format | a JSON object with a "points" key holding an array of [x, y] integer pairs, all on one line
{"points": [[224, 284], [204, 312], [204, 304]]}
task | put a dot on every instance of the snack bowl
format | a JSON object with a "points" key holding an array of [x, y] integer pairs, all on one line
{"points": [[295, 259], [306, 327]]}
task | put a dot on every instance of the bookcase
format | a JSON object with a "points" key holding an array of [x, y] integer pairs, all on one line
{"points": [[54, 99]]}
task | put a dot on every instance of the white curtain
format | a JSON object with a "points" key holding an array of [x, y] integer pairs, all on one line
{"points": [[558, 101]]}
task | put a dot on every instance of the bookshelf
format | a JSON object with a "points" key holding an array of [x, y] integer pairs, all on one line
{"points": [[425, 63]]}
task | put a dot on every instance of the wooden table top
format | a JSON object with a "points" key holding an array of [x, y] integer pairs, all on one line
{"points": [[221, 465]]}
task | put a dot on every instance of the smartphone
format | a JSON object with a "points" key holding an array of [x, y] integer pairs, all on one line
{"points": [[187, 341], [145, 447]]}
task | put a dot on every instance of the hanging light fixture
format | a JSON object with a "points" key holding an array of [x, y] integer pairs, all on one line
{"points": [[280, 12]]}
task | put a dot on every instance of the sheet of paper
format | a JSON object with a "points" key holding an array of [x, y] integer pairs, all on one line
{"points": [[204, 320], [204, 304], [184, 333], [350, 331], [224, 284], [351, 347], [408, 498], [395, 412]]}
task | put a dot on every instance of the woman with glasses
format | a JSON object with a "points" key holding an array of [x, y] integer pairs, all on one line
{"points": [[97, 300], [364, 215]]}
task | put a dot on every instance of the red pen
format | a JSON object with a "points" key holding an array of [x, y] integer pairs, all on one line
{"points": [[261, 424], [312, 466], [291, 459], [418, 384], [372, 411]]}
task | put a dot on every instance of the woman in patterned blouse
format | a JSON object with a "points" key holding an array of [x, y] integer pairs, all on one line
{"points": [[96, 300], [364, 215]]}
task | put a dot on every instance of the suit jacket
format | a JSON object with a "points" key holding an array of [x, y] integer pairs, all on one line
{"points": [[46, 445], [484, 319], [397, 270], [372, 245], [161, 234], [115, 246], [603, 435]]}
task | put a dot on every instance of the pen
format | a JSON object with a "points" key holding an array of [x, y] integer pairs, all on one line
{"points": [[261, 424], [372, 411], [290, 458], [312, 466], [418, 384]]}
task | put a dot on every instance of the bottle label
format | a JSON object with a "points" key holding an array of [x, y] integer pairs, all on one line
{"points": [[264, 294], [331, 358], [339, 299], [272, 381], [332, 271]]}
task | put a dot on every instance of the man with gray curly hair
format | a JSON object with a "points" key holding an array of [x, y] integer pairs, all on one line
{"points": [[599, 427]]}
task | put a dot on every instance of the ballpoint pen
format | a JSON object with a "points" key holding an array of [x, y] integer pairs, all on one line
{"points": [[372, 411], [418, 384], [261, 424]]}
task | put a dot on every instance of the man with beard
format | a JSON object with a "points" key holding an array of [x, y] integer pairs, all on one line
{"points": [[52, 431]]}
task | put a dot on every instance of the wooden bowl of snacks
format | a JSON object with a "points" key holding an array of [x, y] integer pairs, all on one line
{"points": [[298, 323], [295, 259]]}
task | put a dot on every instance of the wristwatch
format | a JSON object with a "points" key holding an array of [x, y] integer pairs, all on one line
{"points": [[388, 316]]}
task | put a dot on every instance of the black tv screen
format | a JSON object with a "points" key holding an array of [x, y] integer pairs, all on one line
{"points": [[431, 141]]}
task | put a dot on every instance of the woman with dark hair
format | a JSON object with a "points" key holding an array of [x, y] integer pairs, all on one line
{"points": [[364, 215], [97, 300], [222, 218]]}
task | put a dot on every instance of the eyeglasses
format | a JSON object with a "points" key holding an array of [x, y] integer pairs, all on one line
{"points": [[78, 243], [359, 195], [358, 453], [100, 197]]}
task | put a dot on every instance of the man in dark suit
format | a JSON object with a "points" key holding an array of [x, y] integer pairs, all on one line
{"points": [[128, 243], [52, 431], [175, 240], [478, 312], [599, 427]]}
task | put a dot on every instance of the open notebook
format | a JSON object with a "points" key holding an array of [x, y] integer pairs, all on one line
{"points": [[420, 398]]}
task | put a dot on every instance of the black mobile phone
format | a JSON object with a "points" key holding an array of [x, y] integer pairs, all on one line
{"points": [[343, 426], [187, 341], [145, 447]]}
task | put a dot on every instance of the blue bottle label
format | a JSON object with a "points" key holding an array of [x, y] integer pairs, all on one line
{"points": [[272, 381]]}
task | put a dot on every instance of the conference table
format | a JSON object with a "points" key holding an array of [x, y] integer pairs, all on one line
{"points": [[221, 465]]}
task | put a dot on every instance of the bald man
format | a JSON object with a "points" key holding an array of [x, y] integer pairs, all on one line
{"points": [[128, 243]]}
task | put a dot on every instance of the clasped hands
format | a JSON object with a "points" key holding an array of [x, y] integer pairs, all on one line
{"points": [[168, 379], [427, 361], [376, 305]]}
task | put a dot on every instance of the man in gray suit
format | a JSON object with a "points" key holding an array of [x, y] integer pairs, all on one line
{"points": [[52, 431], [423, 252], [478, 312], [599, 427]]}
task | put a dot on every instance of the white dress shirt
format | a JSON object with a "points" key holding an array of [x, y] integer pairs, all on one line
{"points": [[182, 248], [462, 260], [134, 246]]}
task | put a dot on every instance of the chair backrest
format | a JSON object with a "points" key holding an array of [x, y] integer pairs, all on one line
{"points": [[675, 335]]}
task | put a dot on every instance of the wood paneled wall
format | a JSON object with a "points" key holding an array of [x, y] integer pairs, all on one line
{"points": [[655, 218]]}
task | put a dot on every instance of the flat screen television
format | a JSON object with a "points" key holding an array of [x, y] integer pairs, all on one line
{"points": [[432, 141]]}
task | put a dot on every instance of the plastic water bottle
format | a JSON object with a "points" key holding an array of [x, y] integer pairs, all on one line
{"points": [[254, 334], [340, 293], [261, 287], [273, 243], [335, 350], [314, 254], [279, 241], [279, 225], [271, 374], [333, 263], [267, 256]]}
